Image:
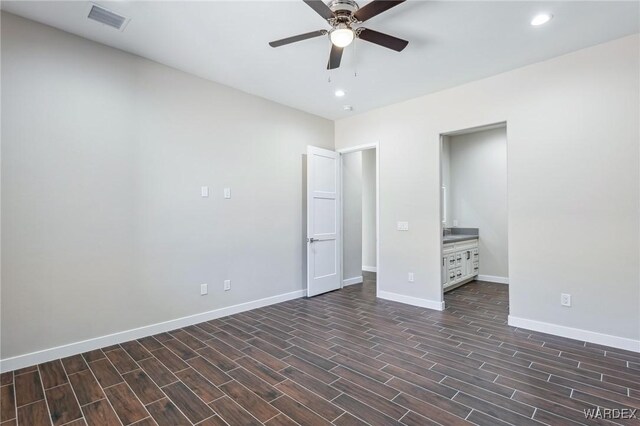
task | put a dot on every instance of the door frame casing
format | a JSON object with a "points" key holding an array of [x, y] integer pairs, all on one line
{"points": [[375, 146]]}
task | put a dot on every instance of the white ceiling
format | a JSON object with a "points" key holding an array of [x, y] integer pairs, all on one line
{"points": [[450, 43]]}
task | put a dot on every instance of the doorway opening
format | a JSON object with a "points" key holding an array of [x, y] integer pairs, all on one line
{"points": [[360, 219], [474, 237]]}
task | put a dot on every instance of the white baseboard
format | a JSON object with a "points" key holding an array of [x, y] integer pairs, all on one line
{"points": [[51, 354], [410, 300], [493, 279], [351, 281], [369, 268], [576, 333]]}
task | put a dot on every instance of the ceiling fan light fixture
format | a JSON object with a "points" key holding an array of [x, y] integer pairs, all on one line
{"points": [[342, 36]]}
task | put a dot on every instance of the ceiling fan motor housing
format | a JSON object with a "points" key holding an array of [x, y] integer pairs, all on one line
{"points": [[343, 9]]}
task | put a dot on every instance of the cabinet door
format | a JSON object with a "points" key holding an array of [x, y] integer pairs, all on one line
{"points": [[444, 270], [468, 262], [452, 260], [458, 274]]}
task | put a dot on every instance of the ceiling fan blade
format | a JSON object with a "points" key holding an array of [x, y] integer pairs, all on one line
{"points": [[374, 8], [296, 38], [320, 7], [334, 57], [382, 39]]}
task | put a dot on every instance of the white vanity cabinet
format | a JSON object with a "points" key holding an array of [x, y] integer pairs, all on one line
{"points": [[460, 263]]}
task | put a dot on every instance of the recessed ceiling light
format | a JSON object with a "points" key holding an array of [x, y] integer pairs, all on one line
{"points": [[541, 19], [347, 108], [340, 93]]}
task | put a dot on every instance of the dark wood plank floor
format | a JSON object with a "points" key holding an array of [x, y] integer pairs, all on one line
{"points": [[343, 358]]}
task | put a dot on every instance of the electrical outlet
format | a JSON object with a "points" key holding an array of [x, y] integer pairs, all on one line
{"points": [[403, 226], [455, 222], [565, 299], [227, 285], [204, 191], [204, 289], [227, 193], [411, 277]]}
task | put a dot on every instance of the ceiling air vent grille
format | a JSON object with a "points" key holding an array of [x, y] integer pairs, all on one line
{"points": [[106, 17]]}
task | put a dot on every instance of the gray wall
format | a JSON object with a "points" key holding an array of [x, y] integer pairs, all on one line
{"points": [[369, 208], [478, 194], [352, 215], [103, 157], [573, 126]]}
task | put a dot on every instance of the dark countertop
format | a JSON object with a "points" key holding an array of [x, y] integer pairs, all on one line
{"points": [[456, 238]]}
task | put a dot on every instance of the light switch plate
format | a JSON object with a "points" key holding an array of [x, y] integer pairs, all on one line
{"points": [[227, 285], [565, 300], [403, 226], [204, 191], [411, 277], [227, 193], [204, 289]]}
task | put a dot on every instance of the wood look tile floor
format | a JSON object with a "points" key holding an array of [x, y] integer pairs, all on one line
{"points": [[343, 358]]}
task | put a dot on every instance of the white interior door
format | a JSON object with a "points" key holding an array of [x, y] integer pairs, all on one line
{"points": [[323, 221]]}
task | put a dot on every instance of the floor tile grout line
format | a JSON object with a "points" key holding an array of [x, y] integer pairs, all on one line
{"points": [[15, 399], [102, 389], [313, 411], [499, 406], [233, 400], [141, 420], [368, 405], [44, 393], [72, 390], [161, 388]]}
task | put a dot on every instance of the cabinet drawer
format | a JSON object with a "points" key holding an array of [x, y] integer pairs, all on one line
{"points": [[476, 268]]}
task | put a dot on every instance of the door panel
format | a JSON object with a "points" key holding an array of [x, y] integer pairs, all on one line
{"points": [[325, 212], [324, 258], [323, 225]]}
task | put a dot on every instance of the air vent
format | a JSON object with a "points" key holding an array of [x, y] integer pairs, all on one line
{"points": [[106, 17]]}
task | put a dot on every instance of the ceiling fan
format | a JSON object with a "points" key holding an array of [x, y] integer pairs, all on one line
{"points": [[344, 16]]}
